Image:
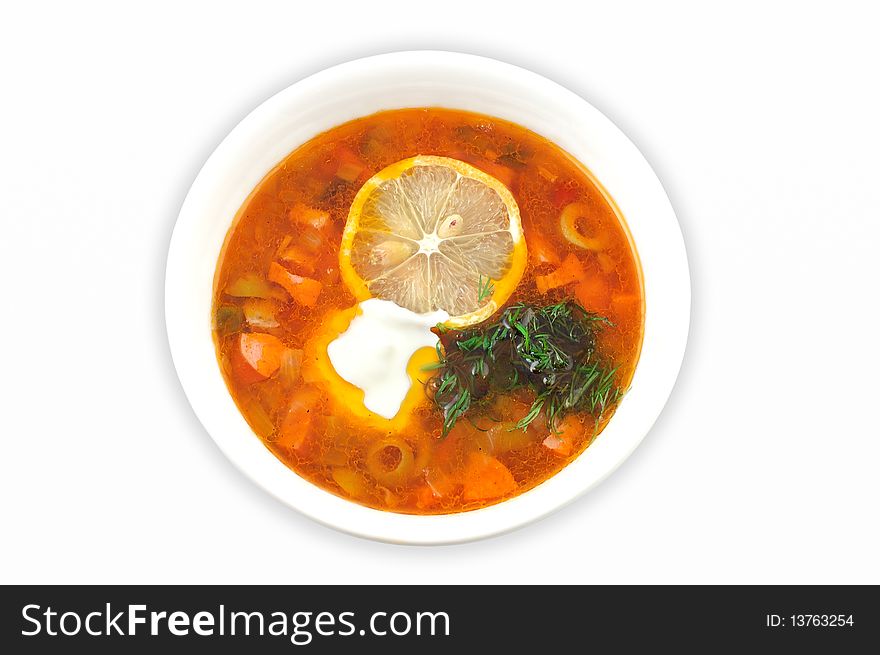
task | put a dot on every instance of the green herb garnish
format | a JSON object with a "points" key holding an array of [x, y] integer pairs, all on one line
{"points": [[484, 289], [549, 350]]}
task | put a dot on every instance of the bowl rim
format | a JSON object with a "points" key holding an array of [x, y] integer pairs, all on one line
{"points": [[420, 79]]}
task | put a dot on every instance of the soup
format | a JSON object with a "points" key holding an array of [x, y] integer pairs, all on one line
{"points": [[428, 310]]}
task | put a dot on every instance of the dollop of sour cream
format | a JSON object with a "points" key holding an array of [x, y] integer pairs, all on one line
{"points": [[374, 351]]}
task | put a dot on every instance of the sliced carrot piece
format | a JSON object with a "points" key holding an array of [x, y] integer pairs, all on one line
{"points": [[593, 294], [303, 290], [571, 270], [486, 478], [257, 356]]}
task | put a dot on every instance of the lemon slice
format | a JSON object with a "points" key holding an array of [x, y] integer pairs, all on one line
{"points": [[434, 233]]}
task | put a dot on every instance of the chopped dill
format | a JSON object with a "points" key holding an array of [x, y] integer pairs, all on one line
{"points": [[484, 289], [549, 350]]}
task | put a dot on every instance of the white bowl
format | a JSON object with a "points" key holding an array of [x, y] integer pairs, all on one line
{"points": [[424, 79]]}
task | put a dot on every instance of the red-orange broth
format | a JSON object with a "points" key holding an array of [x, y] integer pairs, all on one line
{"points": [[301, 207]]}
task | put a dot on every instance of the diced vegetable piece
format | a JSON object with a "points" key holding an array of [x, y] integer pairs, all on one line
{"points": [[301, 258], [258, 419], [350, 481], [506, 436], [349, 171], [571, 270], [296, 424], [571, 230], [486, 478], [327, 272], [249, 285], [310, 238], [256, 357], [540, 251], [448, 451], [392, 500], [334, 457], [284, 243], [558, 445], [303, 290], [606, 263], [311, 369], [304, 215], [562, 440], [593, 293], [350, 165], [260, 313], [291, 366], [228, 319], [440, 483]]}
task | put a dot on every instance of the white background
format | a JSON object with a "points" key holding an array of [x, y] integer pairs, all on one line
{"points": [[762, 122]]}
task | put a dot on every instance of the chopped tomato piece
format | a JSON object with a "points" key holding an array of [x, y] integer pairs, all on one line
{"points": [[571, 270], [486, 478], [257, 356], [303, 290]]}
